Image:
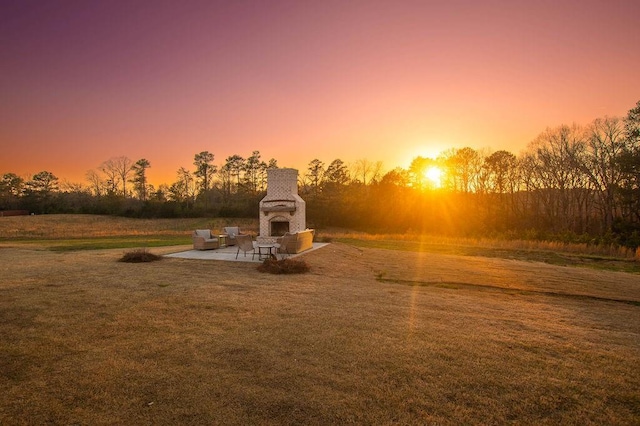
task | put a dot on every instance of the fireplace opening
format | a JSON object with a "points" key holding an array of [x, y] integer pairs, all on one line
{"points": [[278, 229]]}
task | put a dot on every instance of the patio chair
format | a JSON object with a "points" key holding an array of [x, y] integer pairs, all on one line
{"points": [[245, 243], [295, 243], [232, 232], [203, 240]]}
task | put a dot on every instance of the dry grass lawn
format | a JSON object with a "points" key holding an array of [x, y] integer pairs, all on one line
{"points": [[369, 336]]}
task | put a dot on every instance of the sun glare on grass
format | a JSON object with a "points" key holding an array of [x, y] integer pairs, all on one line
{"points": [[434, 175]]}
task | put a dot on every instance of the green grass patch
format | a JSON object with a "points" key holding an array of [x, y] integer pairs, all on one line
{"points": [[101, 243]]}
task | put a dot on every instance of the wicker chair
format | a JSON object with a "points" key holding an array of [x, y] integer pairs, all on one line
{"points": [[232, 232], [203, 240], [296, 242]]}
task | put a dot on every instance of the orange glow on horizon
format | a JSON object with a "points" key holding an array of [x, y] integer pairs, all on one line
{"points": [[301, 80]]}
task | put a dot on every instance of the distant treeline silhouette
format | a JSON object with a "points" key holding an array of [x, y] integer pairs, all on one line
{"points": [[577, 183]]}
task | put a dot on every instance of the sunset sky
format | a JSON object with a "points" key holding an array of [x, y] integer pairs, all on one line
{"points": [[82, 81]]}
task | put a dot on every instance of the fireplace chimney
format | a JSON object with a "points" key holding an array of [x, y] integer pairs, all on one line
{"points": [[281, 210]]}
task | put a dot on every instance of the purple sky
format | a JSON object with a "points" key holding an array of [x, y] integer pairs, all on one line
{"points": [[84, 81]]}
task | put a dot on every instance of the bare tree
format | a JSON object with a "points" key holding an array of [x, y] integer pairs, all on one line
{"points": [[632, 127], [117, 171], [606, 143], [500, 167], [67, 186], [97, 185], [110, 169], [365, 171], [124, 168], [629, 163], [463, 166], [555, 159]]}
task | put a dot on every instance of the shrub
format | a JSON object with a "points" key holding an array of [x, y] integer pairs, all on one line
{"points": [[284, 266], [139, 256]]}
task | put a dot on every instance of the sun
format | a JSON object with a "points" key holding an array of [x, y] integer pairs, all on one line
{"points": [[434, 175]]}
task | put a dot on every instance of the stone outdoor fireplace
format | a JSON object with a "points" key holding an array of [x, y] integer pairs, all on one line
{"points": [[281, 210]]}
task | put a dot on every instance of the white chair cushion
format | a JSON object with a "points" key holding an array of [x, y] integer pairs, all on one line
{"points": [[204, 233], [232, 231]]}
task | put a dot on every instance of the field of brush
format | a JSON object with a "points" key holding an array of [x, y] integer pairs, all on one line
{"points": [[382, 330]]}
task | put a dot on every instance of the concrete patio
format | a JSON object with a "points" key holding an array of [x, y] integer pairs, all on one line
{"points": [[229, 254]]}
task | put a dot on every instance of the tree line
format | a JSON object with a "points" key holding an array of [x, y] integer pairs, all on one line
{"points": [[571, 181]]}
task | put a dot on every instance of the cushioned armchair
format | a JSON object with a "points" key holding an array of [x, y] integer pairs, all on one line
{"points": [[203, 240], [232, 232], [296, 242]]}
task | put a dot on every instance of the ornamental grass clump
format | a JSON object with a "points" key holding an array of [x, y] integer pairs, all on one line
{"points": [[284, 266], [139, 256]]}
